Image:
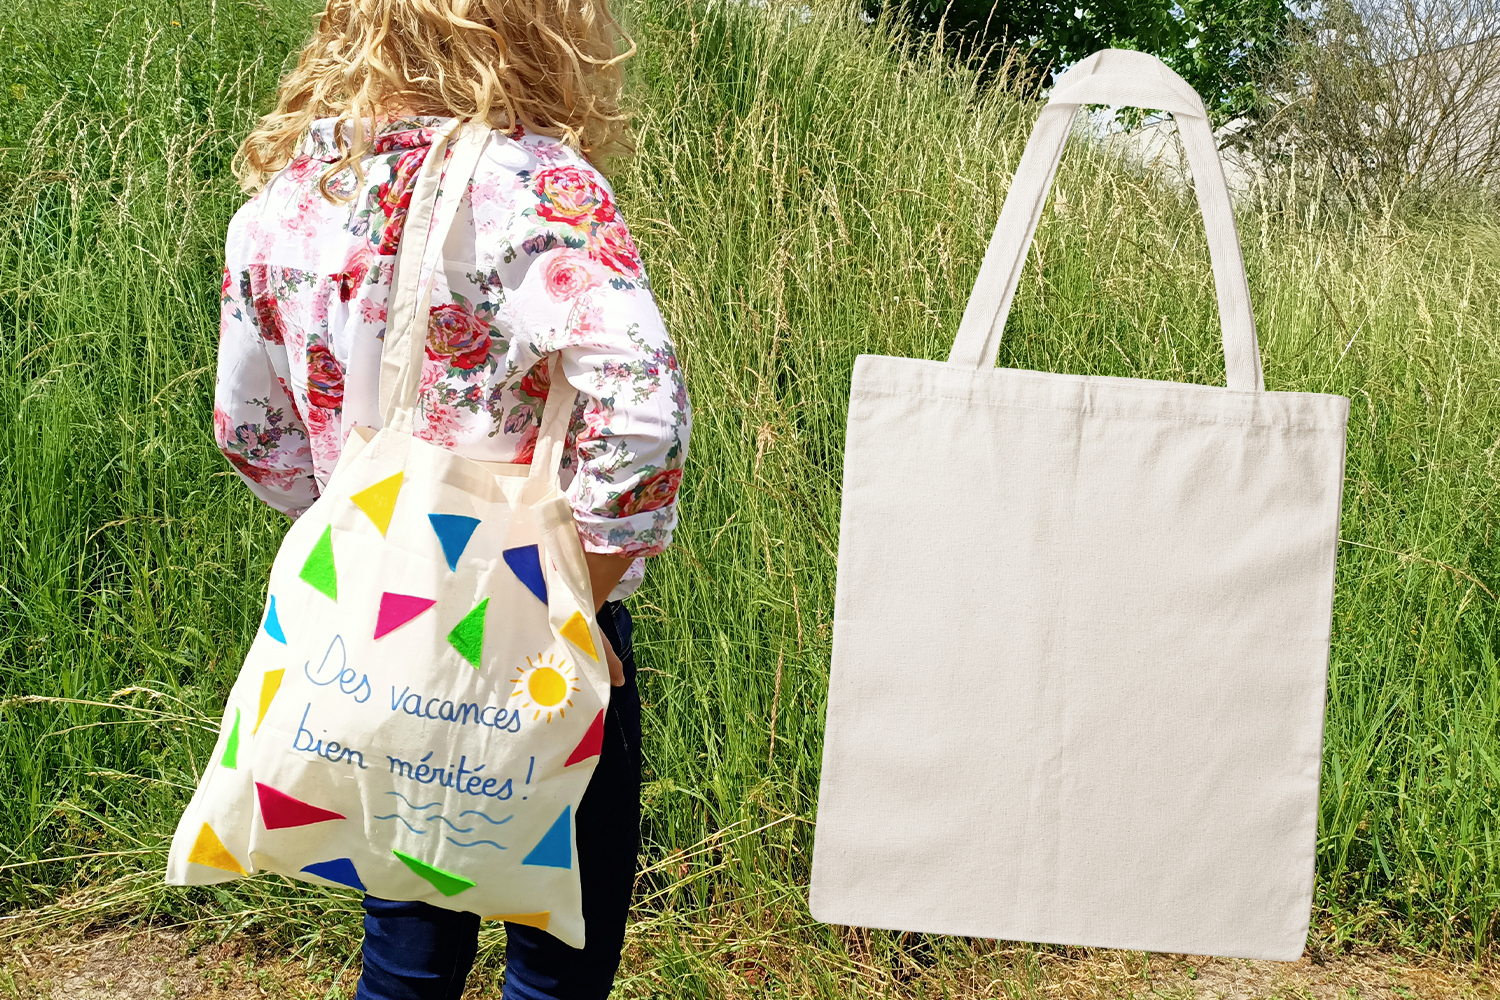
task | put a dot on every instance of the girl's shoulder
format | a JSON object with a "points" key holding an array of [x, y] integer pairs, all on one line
{"points": [[542, 164], [535, 193]]}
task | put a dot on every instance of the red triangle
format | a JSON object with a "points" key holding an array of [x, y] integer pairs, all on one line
{"points": [[591, 744], [398, 609], [279, 810]]}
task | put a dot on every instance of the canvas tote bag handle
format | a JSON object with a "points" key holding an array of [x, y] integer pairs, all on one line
{"points": [[434, 204], [1119, 77], [417, 260]]}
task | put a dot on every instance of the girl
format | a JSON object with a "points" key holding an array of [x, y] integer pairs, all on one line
{"points": [[538, 263]]}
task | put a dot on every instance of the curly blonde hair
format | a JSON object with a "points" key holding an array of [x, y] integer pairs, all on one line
{"points": [[549, 66]]}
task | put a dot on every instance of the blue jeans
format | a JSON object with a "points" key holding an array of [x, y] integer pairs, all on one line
{"points": [[415, 951]]}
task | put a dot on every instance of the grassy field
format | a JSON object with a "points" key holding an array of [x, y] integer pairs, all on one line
{"points": [[805, 190]]}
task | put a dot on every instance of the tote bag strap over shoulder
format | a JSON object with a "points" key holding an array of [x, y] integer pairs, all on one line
{"points": [[435, 199], [1118, 77]]}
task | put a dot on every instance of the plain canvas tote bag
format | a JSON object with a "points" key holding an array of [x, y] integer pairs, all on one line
{"points": [[422, 707], [1081, 630]]}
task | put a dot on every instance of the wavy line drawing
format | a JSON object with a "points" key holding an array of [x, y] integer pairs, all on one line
{"points": [[485, 817], [403, 819], [476, 843], [409, 802], [451, 826]]}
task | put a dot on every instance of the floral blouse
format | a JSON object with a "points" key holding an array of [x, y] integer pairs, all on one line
{"points": [[538, 261]]}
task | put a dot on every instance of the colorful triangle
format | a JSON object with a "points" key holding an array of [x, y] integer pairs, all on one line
{"points": [[231, 756], [319, 570], [273, 623], [379, 501], [591, 744], [446, 883], [537, 920], [270, 683], [468, 635], [398, 609], [209, 850], [576, 631], [555, 849], [279, 810], [340, 870], [525, 561], [454, 531]]}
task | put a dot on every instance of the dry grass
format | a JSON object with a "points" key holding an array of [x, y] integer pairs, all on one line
{"points": [[130, 964], [135, 965]]}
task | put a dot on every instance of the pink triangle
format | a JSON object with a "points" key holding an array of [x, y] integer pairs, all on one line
{"points": [[278, 809], [591, 744], [398, 609]]}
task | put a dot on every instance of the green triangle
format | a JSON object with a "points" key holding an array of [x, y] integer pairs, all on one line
{"points": [[446, 883], [318, 570], [468, 635], [232, 746]]}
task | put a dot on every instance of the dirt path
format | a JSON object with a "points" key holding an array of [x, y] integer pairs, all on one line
{"points": [[150, 965], [137, 965]]}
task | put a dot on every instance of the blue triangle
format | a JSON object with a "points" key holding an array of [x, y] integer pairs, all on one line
{"points": [[273, 624], [555, 849], [526, 563], [340, 870], [454, 531]]}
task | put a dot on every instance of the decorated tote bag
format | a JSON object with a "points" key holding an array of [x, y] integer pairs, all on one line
{"points": [[1081, 633], [423, 705]]}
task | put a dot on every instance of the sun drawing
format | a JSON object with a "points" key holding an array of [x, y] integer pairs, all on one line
{"points": [[545, 686]]}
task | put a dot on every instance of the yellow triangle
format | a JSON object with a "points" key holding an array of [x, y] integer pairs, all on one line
{"points": [[576, 631], [379, 501], [269, 685], [209, 850], [537, 920]]}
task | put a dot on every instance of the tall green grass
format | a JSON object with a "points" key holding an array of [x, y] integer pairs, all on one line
{"points": [[806, 189]]}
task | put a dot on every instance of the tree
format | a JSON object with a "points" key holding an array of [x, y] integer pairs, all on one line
{"points": [[1221, 47], [1387, 97]]}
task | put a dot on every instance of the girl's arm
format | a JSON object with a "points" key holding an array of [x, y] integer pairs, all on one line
{"points": [[256, 424], [604, 573], [586, 295]]}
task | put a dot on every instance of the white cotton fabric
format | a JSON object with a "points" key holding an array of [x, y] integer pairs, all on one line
{"points": [[1077, 690]]}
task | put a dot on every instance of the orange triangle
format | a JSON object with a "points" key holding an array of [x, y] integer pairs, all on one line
{"points": [[209, 850], [537, 920], [270, 683], [379, 501], [576, 631]]}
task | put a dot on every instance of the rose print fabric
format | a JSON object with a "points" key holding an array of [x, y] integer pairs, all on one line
{"points": [[538, 261]]}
